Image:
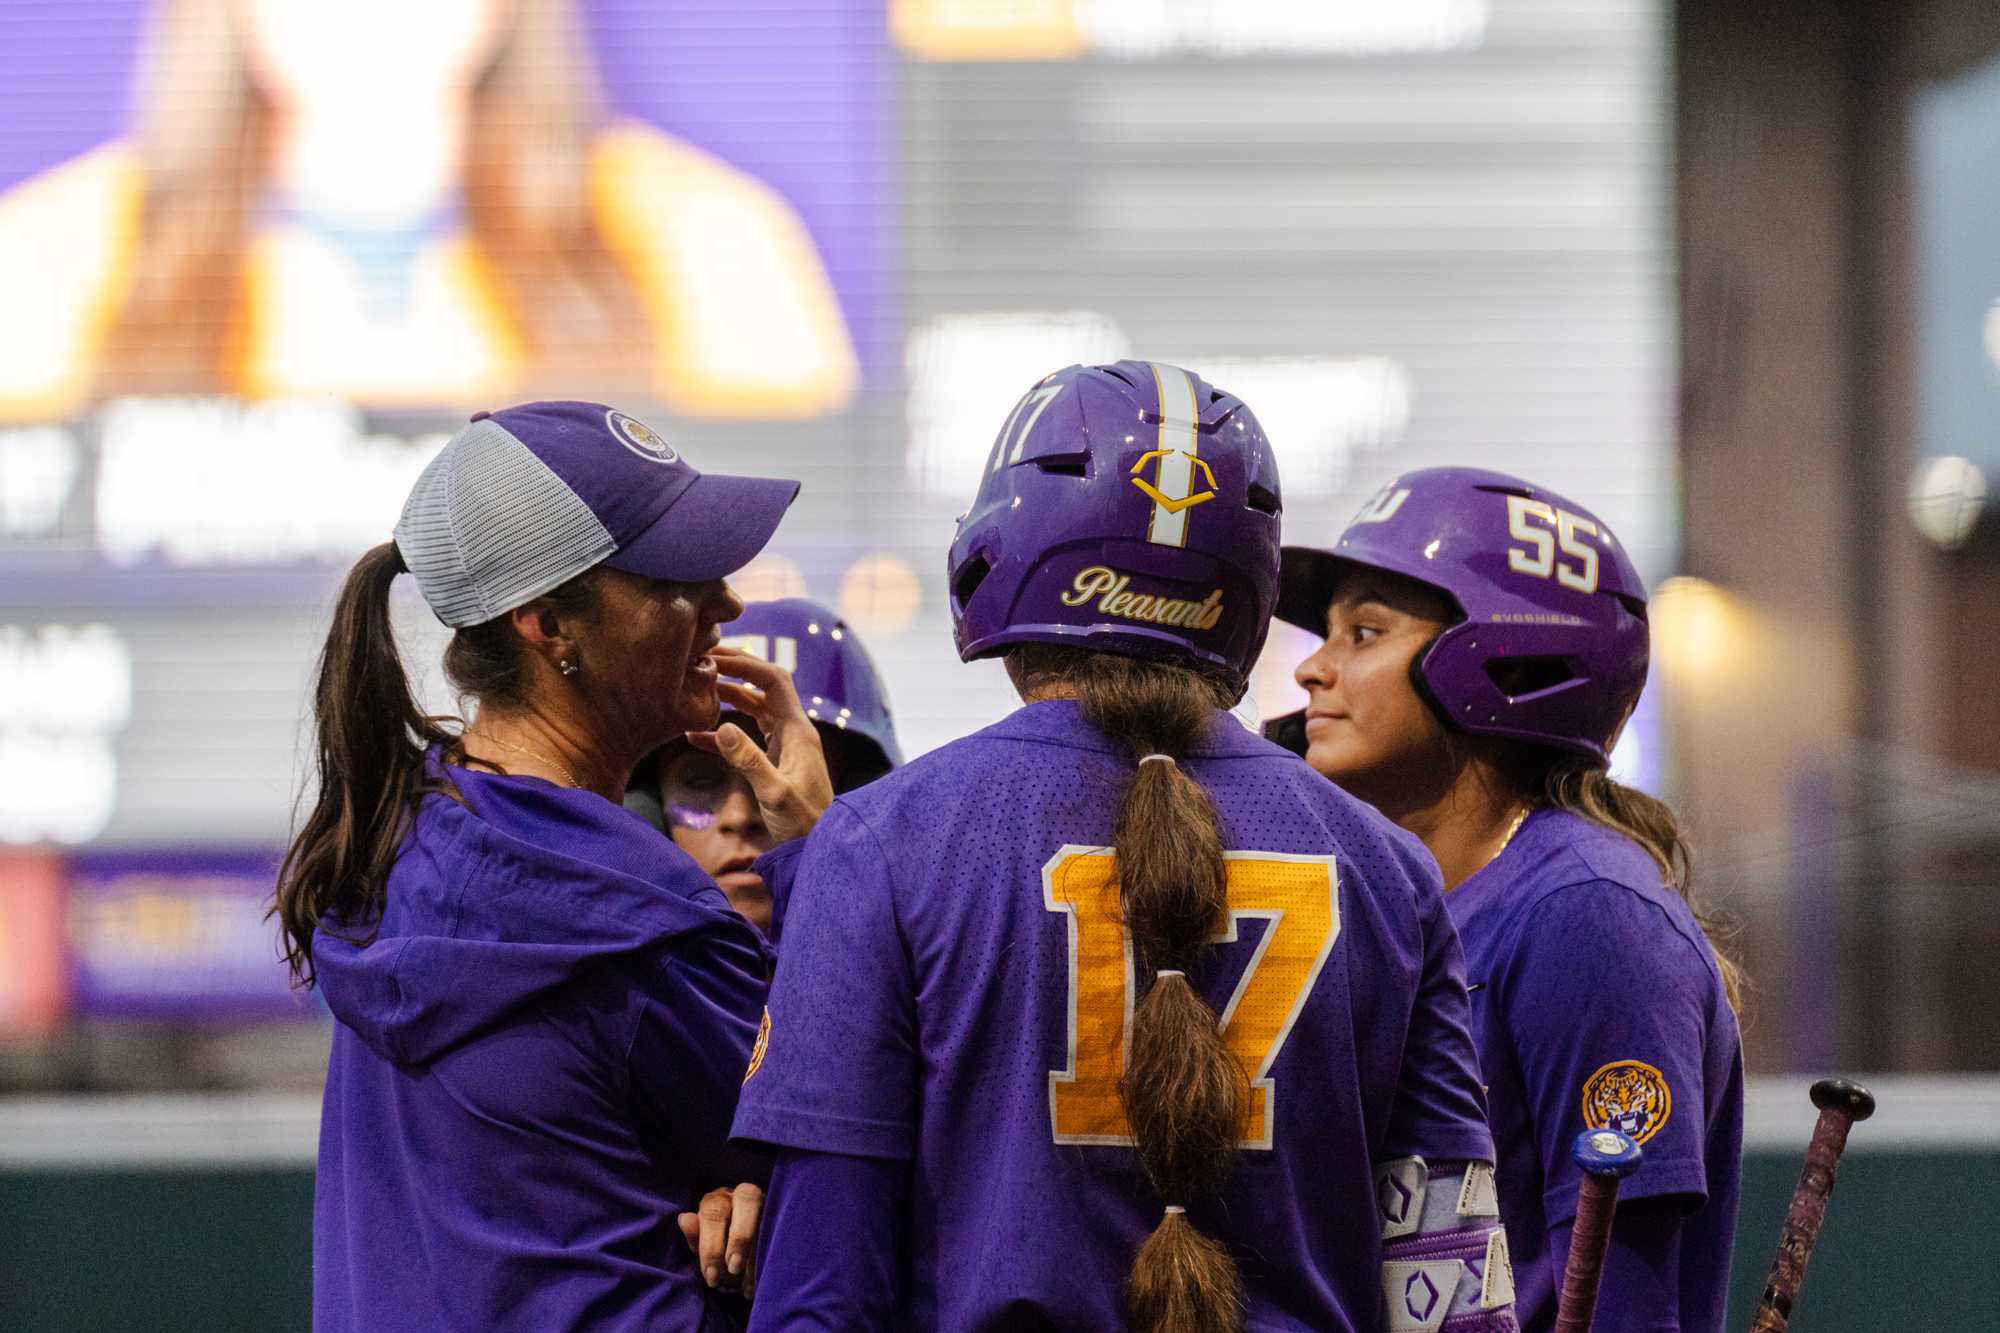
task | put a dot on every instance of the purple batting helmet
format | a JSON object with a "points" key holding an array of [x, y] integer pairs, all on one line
{"points": [[1551, 643], [835, 677], [1130, 508]]}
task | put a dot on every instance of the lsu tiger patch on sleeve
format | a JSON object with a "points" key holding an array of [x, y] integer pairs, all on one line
{"points": [[763, 1044], [1629, 1096]]}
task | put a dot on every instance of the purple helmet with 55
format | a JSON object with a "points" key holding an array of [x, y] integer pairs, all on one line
{"points": [[1550, 646], [1130, 508]]}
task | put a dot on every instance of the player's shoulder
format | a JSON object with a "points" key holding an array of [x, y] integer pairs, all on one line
{"points": [[1590, 881]]}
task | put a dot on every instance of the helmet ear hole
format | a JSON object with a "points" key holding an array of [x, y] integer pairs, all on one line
{"points": [[1263, 499], [1523, 677], [969, 579]]}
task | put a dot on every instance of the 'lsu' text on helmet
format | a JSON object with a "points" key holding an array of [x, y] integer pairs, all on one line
{"points": [[1552, 644], [836, 679], [1130, 508]]}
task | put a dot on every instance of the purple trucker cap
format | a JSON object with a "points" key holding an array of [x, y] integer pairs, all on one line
{"points": [[523, 500]]}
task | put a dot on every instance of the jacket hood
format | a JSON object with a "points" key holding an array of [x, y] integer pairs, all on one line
{"points": [[484, 916]]}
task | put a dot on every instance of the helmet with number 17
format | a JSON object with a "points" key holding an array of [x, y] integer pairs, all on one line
{"points": [[1129, 508], [1550, 646]]}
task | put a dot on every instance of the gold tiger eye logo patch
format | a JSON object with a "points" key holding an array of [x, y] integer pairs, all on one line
{"points": [[640, 438], [763, 1044], [1629, 1096]]}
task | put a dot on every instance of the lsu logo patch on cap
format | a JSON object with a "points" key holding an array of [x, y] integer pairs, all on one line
{"points": [[640, 438], [763, 1044], [1629, 1096]]}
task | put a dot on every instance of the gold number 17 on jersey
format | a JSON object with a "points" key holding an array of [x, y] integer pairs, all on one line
{"points": [[1295, 895]]}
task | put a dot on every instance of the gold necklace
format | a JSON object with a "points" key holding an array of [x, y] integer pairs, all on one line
{"points": [[1514, 828], [537, 756]]}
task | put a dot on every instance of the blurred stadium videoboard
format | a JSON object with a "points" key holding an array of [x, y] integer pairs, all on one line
{"points": [[830, 239]]}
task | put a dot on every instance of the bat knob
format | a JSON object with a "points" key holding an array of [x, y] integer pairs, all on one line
{"points": [[1605, 1152], [1839, 1094]]}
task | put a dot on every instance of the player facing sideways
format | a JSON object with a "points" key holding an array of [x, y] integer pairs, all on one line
{"points": [[1486, 641], [708, 807], [1114, 1014]]}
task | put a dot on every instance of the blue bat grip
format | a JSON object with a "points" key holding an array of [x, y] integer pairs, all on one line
{"points": [[1605, 1152]]}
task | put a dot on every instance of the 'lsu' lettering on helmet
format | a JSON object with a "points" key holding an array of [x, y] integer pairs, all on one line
{"points": [[780, 650], [1107, 585], [1172, 492], [1382, 506], [763, 1044], [1629, 1096]]}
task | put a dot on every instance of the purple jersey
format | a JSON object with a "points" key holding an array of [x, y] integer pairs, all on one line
{"points": [[1597, 1002], [954, 988]]}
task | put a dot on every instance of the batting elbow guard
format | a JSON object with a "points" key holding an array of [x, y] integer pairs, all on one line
{"points": [[1444, 1254]]}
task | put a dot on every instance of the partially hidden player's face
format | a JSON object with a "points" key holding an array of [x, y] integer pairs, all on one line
{"points": [[645, 653], [1366, 727], [712, 815]]}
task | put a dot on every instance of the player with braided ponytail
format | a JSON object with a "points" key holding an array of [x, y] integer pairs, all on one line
{"points": [[1115, 1014]]}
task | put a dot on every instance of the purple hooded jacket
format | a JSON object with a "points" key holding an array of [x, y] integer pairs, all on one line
{"points": [[534, 1069]]}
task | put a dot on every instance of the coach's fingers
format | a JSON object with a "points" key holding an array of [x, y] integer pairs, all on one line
{"points": [[716, 1206], [691, 1231], [743, 1221], [767, 693], [792, 798]]}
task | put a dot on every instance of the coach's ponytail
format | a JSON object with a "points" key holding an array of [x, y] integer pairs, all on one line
{"points": [[370, 739], [1185, 1094], [1592, 793]]}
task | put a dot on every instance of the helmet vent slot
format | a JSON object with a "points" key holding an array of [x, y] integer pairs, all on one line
{"points": [[1263, 499], [1524, 677], [969, 579], [1061, 468]]}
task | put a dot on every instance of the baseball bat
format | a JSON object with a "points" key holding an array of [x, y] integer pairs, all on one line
{"points": [[1605, 1157], [1840, 1104]]}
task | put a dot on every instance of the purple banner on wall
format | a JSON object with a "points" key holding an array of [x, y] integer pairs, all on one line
{"points": [[177, 935]]}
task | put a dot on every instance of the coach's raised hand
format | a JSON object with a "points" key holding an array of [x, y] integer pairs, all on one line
{"points": [[789, 775]]}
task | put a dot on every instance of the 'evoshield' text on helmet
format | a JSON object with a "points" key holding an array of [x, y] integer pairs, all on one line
{"points": [[1551, 643], [1130, 508]]}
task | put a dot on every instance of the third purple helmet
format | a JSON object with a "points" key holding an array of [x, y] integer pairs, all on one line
{"points": [[1130, 508], [835, 678], [1551, 643]]}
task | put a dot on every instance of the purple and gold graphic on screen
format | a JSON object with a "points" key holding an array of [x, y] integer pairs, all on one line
{"points": [[177, 935], [429, 205]]}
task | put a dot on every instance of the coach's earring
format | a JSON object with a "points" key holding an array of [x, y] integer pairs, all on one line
{"points": [[567, 667]]}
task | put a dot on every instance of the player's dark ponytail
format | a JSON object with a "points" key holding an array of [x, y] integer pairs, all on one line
{"points": [[1185, 1094], [370, 739], [370, 744]]}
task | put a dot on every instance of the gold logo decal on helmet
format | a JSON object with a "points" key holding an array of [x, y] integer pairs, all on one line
{"points": [[1173, 504]]}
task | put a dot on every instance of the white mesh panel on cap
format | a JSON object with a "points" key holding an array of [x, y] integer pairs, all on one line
{"points": [[488, 527]]}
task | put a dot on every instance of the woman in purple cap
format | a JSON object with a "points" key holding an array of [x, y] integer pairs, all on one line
{"points": [[700, 800], [1114, 1015], [1486, 642], [543, 1008]]}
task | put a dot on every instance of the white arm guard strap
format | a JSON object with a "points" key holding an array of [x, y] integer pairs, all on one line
{"points": [[1444, 1254]]}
